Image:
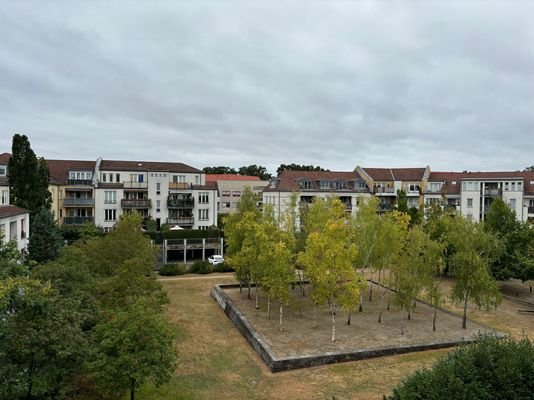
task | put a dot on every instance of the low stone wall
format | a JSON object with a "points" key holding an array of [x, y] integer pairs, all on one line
{"points": [[285, 364]]}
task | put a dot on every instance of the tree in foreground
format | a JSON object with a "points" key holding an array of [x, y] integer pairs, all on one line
{"points": [[131, 347], [474, 250], [11, 262], [490, 369]]}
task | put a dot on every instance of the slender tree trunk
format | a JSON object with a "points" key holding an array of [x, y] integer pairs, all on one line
{"points": [[269, 307], [281, 317], [409, 315], [360, 309], [348, 319], [381, 307], [302, 285], [257, 299], [314, 315], [464, 319], [371, 288], [132, 389], [434, 320], [248, 295], [240, 287], [414, 303], [402, 323], [334, 321]]}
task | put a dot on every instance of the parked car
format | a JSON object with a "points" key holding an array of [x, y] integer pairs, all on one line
{"points": [[216, 259]]}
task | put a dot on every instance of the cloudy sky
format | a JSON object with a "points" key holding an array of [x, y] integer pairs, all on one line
{"points": [[339, 84]]}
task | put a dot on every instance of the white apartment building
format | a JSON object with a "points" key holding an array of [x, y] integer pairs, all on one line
{"points": [[14, 221], [349, 187], [170, 193]]}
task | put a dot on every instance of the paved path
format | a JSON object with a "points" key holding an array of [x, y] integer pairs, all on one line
{"points": [[197, 277]]}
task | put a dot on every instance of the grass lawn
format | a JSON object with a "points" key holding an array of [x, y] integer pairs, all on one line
{"points": [[215, 361]]}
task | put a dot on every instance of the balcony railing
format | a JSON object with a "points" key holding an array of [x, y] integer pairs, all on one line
{"points": [[135, 185], [179, 185], [131, 203], [78, 202], [492, 192], [380, 189], [80, 182], [180, 203], [181, 221], [77, 220], [531, 210]]}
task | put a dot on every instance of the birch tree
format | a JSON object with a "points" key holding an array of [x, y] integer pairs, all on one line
{"points": [[474, 250]]}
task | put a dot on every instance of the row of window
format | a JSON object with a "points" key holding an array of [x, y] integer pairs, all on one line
{"points": [[108, 177], [80, 175], [507, 186], [110, 214], [234, 193]]}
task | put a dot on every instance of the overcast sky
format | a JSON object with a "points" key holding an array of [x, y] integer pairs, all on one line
{"points": [[339, 84]]}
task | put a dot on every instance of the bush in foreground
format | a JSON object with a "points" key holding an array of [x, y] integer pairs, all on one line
{"points": [[488, 369], [201, 267]]}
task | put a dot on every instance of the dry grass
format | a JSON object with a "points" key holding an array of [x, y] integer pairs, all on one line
{"points": [[215, 361]]}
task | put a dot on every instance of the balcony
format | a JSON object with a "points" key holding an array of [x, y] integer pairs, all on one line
{"points": [[77, 220], [78, 202], [179, 185], [135, 185], [79, 182], [384, 190], [180, 203], [492, 192], [132, 203], [183, 221]]}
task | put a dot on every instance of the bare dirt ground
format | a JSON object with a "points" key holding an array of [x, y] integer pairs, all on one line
{"points": [[520, 290], [301, 338]]}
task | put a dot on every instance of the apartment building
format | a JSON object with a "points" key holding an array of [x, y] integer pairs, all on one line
{"points": [[349, 187], [472, 193], [385, 182], [14, 221], [231, 187], [72, 189], [170, 193]]}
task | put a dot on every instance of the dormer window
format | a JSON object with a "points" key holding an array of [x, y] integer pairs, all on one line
{"points": [[305, 184], [3, 170], [340, 184], [325, 184]]}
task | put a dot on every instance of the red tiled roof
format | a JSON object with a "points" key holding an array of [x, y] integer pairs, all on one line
{"points": [[395, 174], [288, 180], [230, 177], [448, 178], [11, 211], [4, 158], [59, 169], [119, 165]]}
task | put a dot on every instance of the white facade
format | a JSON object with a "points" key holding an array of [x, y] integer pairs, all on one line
{"points": [[15, 227]]}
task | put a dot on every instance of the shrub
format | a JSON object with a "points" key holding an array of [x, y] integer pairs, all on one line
{"points": [[488, 369], [201, 267], [224, 267], [173, 269]]}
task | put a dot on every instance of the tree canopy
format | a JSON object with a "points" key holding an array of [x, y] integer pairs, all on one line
{"points": [[298, 167]]}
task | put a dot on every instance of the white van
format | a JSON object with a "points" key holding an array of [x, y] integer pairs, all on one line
{"points": [[216, 259]]}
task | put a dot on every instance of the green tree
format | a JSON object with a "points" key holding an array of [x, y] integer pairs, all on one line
{"points": [[329, 259], [219, 170], [255, 170], [28, 177], [516, 260], [298, 167], [11, 262], [130, 347], [41, 343], [46, 239], [402, 201], [489, 369], [474, 250]]}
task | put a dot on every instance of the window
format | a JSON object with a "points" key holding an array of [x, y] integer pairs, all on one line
{"points": [[196, 179], [470, 203], [236, 193], [104, 177], [226, 204], [325, 184], [519, 186], [306, 184], [226, 193], [158, 188], [4, 200], [22, 228], [110, 197], [203, 215], [3, 233], [513, 187], [178, 178], [506, 184], [434, 186], [110, 214], [3, 170], [413, 187], [454, 182], [158, 205], [512, 203], [203, 198]]}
